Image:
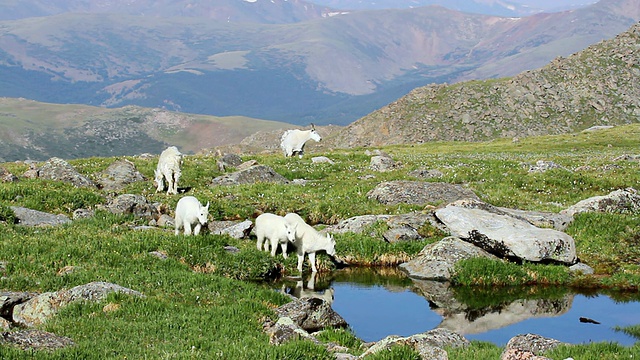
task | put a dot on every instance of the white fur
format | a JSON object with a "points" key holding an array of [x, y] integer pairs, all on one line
{"points": [[277, 230], [169, 169], [309, 241], [302, 292], [293, 141], [189, 212]]}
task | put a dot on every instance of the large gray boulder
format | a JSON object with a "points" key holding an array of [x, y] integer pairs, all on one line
{"points": [[419, 193], [436, 261], [134, 204], [60, 170], [39, 309], [506, 236], [311, 314], [30, 217], [430, 345], [118, 175], [251, 175]]}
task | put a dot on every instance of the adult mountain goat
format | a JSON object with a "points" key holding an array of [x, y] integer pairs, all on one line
{"points": [[189, 212], [309, 241], [277, 230], [169, 169], [293, 141]]}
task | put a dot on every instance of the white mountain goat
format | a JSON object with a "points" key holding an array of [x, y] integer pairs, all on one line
{"points": [[189, 212], [293, 141], [309, 241], [169, 170], [277, 230]]}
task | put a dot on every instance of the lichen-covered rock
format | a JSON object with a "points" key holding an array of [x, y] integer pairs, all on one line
{"points": [[250, 175], [29, 217], [35, 340], [118, 175], [60, 170], [624, 201], [311, 314], [419, 193]]}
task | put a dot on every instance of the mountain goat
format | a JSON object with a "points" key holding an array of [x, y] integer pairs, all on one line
{"points": [[169, 169], [293, 141], [309, 241], [277, 230], [190, 212]]}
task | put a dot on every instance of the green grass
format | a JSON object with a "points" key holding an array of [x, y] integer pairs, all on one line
{"points": [[203, 301]]}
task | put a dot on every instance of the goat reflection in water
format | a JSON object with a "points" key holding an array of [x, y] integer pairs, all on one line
{"points": [[308, 290]]}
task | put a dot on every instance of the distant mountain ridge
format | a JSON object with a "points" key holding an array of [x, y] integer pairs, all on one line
{"points": [[235, 11], [330, 70], [594, 87]]}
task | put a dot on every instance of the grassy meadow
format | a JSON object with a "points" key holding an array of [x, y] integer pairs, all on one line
{"points": [[205, 302]]}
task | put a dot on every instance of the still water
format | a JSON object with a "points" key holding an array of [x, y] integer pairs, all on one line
{"points": [[376, 305]]}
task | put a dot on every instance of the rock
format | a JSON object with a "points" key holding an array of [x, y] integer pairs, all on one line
{"points": [[231, 160], [426, 174], [35, 340], [235, 229], [401, 233], [321, 159], [543, 166], [423, 343], [532, 343], [436, 261], [118, 175], [9, 299], [38, 309], [58, 169], [165, 221], [506, 236], [285, 330], [625, 201], [357, 224], [418, 192], [581, 268], [82, 213], [29, 217], [557, 221], [6, 176], [515, 354], [311, 314], [251, 175], [383, 163], [137, 205]]}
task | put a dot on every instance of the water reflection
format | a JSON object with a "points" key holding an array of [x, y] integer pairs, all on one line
{"points": [[381, 302]]}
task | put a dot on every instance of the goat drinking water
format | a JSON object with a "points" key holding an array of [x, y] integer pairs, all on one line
{"points": [[309, 241]]}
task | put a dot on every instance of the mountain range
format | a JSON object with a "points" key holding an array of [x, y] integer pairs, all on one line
{"points": [[296, 62]]}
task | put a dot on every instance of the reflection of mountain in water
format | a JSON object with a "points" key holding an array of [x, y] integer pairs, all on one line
{"points": [[480, 321], [464, 319]]}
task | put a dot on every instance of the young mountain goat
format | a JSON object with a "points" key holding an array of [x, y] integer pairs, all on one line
{"points": [[293, 141], [277, 230], [190, 212], [309, 241], [169, 169]]}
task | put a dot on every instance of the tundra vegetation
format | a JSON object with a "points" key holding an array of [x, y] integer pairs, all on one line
{"points": [[203, 301]]}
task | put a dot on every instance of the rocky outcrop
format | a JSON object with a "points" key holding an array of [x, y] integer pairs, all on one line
{"points": [[528, 346], [599, 83], [134, 204], [506, 236]]}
